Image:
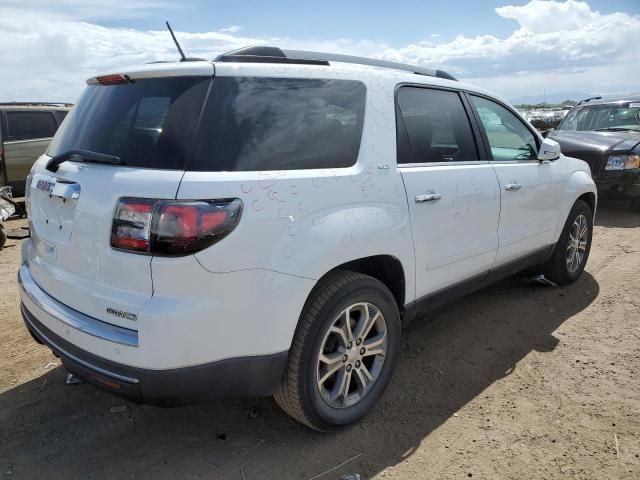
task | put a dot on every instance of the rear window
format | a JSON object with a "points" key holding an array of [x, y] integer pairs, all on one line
{"points": [[247, 123], [30, 125], [280, 124], [150, 123]]}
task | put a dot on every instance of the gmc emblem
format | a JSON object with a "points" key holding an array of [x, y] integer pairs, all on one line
{"points": [[45, 186]]}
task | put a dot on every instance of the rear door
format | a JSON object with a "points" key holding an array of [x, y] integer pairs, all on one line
{"points": [[531, 191], [149, 124], [28, 135], [453, 192]]}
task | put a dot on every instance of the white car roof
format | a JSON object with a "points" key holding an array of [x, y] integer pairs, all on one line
{"points": [[332, 69]]}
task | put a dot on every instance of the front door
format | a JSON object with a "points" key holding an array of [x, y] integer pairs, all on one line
{"points": [[531, 190], [454, 196]]}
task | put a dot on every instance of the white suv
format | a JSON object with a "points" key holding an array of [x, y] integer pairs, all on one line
{"points": [[266, 223]]}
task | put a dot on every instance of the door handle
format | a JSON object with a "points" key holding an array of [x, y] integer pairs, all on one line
{"points": [[428, 197], [512, 187]]}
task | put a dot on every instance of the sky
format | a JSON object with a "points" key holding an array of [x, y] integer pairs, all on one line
{"points": [[514, 48]]}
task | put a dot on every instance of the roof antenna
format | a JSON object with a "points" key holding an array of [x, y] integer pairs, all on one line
{"points": [[183, 58]]}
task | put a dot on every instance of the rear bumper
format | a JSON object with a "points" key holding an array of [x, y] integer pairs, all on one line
{"points": [[232, 377], [247, 376]]}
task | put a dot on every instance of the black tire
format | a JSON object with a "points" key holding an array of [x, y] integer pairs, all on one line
{"points": [[557, 268], [299, 394], [634, 205], [3, 237]]}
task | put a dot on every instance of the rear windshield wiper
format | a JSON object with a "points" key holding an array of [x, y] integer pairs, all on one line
{"points": [[85, 156]]}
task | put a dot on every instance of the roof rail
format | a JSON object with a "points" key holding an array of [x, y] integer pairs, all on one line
{"points": [[43, 104], [261, 54]]}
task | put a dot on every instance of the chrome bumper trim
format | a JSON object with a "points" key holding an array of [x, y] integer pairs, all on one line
{"points": [[59, 350], [91, 326]]}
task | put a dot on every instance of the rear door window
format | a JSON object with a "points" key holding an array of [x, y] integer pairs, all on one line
{"points": [[255, 124], [30, 125], [436, 125], [149, 123]]}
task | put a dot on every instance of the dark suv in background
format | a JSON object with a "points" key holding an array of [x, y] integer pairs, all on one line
{"points": [[605, 133], [25, 132]]}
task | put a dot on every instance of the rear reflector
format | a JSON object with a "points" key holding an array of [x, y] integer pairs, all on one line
{"points": [[172, 227]]}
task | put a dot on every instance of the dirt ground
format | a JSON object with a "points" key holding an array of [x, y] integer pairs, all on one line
{"points": [[518, 381]]}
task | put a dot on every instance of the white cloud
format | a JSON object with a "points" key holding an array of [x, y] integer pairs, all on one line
{"points": [[545, 17], [557, 46], [556, 43], [230, 29]]}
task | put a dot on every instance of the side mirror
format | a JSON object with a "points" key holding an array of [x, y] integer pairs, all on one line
{"points": [[549, 150]]}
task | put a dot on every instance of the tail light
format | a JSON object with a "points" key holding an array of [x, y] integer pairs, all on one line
{"points": [[172, 227]]}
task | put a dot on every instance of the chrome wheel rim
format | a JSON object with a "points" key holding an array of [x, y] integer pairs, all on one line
{"points": [[351, 355], [577, 247]]}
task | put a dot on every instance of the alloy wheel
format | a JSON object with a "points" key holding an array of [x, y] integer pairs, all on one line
{"points": [[577, 246], [351, 355]]}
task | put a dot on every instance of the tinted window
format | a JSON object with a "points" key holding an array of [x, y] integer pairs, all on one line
{"points": [[30, 125], [61, 114], [509, 137], [150, 123], [603, 117], [280, 124], [437, 127]]}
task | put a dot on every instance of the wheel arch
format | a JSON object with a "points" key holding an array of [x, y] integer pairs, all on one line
{"points": [[590, 199], [386, 268], [579, 186]]}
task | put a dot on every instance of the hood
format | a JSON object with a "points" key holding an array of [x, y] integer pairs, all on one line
{"points": [[575, 142]]}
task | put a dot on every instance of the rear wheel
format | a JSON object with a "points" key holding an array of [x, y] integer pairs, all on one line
{"points": [[572, 250], [3, 237], [343, 352]]}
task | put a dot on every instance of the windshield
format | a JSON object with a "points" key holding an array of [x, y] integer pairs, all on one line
{"points": [[603, 117], [149, 123]]}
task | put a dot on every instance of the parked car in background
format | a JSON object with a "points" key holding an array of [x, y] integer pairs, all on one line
{"points": [[542, 120], [605, 133], [25, 132], [267, 222], [7, 209]]}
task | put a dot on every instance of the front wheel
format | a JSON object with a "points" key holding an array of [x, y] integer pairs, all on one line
{"points": [[343, 352], [3, 237], [572, 250]]}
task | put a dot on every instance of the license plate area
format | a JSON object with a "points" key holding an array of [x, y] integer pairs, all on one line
{"points": [[53, 205]]}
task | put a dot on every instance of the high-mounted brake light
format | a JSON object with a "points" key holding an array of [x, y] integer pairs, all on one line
{"points": [[111, 79], [172, 227]]}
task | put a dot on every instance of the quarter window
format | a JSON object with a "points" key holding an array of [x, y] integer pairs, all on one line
{"points": [[436, 126], [280, 124], [508, 136], [30, 125]]}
